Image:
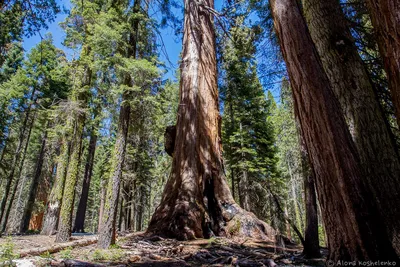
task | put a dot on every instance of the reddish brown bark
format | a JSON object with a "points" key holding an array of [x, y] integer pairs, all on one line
{"points": [[354, 228], [353, 88], [385, 15], [196, 202]]}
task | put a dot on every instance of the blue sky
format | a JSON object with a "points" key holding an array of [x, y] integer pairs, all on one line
{"points": [[169, 54], [172, 43]]}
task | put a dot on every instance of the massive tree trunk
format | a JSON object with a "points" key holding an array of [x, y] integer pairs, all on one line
{"points": [[197, 202], [354, 90], [81, 211], [386, 20], [355, 229], [50, 223], [34, 185]]}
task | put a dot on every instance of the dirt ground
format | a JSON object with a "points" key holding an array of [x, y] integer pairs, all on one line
{"points": [[138, 250]]}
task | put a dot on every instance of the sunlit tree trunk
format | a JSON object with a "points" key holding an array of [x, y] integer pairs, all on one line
{"points": [[354, 228], [67, 204], [197, 202], [50, 222]]}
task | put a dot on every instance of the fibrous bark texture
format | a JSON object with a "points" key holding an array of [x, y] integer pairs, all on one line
{"points": [[385, 15], [196, 202], [354, 90], [67, 205], [354, 228]]}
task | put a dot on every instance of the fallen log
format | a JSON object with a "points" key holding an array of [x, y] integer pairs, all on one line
{"points": [[60, 246], [57, 247]]}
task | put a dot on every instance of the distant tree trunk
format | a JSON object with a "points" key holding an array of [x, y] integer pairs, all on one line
{"points": [[18, 175], [311, 238], [42, 195], [386, 20], [364, 116], [197, 202], [34, 184], [79, 226], [354, 227], [16, 158], [50, 223], [288, 229], [107, 234], [122, 213], [103, 196], [244, 191]]}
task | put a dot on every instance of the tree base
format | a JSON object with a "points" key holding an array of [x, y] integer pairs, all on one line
{"points": [[195, 223]]}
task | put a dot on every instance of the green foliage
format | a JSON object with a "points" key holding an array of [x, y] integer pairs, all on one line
{"points": [[66, 253], [7, 253], [47, 255], [248, 135], [112, 254]]}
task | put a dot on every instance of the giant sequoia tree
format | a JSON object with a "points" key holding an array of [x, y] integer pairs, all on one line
{"points": [[196, 202], [354, 228], [363, 114]]}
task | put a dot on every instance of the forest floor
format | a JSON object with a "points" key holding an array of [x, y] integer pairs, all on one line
{"points": [[137, 250]]}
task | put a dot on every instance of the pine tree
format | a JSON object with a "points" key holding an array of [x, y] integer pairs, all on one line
{"points": [[247, 131]]}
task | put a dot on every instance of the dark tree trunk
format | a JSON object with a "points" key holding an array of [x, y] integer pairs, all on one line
{"points": [[197, 202], [34, 184], [50, 222], [362, 111], [354, 227], [386, 20], [79, 226], [311, 236]]}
